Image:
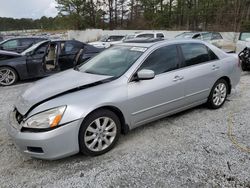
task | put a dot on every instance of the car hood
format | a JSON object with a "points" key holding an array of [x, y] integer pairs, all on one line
{"points": [[56, 85]]}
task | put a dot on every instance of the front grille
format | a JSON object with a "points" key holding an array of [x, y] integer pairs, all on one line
{"points": [[19, 116]]}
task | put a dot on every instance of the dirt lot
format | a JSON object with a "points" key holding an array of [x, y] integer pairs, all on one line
{"points": [[190, 149]]}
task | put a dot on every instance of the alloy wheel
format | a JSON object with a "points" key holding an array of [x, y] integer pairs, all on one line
{"points": [[7, 76], [219, 94], [100, 134]]}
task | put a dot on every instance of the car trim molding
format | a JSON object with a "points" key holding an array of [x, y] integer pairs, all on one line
{"points": [[170, 112], [156, 106], [165, 103], [196, 93]]}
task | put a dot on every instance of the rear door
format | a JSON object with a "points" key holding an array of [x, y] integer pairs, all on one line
{"points": [[200, 71], [68, 52], [151, 99]]}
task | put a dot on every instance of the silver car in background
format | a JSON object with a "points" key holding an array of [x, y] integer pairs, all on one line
{"points": [[86, 109]]}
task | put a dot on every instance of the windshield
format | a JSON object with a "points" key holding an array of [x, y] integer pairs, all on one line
{"points": [[114, 61], [185, 36], [32, 48], [244, 36]]}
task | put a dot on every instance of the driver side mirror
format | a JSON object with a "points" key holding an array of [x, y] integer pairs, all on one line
{"points": [[1, 48], [144, 74]]}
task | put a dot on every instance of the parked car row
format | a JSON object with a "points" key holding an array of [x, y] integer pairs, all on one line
{"points": [[43, 59], [38, 57], [131, 83], [109, 40]]}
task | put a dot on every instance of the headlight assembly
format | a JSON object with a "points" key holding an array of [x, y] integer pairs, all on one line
{"points": [[47, 119]]}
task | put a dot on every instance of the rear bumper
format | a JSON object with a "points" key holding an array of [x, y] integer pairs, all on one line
{"points": [[55, 144]]}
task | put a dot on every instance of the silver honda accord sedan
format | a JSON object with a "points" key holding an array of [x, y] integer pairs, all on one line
{"points": [[87, 108]]}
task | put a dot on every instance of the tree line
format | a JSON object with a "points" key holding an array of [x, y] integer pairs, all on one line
{"points": [[217, 15]]}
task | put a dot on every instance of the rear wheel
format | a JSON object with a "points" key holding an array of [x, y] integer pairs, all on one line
{"points": [[99, 132], [8, 76], [218, 94], [244, 66]]}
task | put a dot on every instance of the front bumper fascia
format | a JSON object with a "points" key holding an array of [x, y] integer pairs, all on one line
{"points": [[55, 144]]}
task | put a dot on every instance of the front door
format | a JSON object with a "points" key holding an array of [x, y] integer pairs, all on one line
{"points": [[151, 99], [35, 61]]}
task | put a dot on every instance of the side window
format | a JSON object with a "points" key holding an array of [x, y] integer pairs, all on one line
{"points": [[194, 53], [10, 44], [42, 49], [71, 48], [162, 60], [145, 36], [26, 42], [68, 47], [216, 36], [197, 36], [115, 38], [206, 36], [159, 35]]}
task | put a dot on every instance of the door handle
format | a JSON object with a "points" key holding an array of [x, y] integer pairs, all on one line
{"points": [[178, 78], [215, 67]]}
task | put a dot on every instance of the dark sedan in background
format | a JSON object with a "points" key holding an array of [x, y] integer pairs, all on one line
{"points": [[43, 59], [19, 44]]}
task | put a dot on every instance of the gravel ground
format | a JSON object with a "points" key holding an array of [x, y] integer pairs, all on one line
{"points": [[190, 149]]}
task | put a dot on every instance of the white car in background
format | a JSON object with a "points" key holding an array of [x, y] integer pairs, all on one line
{"points": [[108, 40], [154, 35], [214, 38], [244, 38]]}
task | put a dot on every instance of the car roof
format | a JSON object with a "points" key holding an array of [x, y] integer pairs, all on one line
{"points": [[148, 32], [27, 38]]}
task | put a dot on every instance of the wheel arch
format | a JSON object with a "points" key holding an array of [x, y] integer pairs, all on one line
{"points": [[227, 79], [18, 76], [124, 126]]}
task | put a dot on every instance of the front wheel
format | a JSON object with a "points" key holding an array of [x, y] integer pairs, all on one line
{"points": [[99, 132], [218, 94], [8, 76]]}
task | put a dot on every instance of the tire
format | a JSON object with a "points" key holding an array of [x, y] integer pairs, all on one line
{"points": [[8, 76], [218, 94], [244, 66], [97, 139]]}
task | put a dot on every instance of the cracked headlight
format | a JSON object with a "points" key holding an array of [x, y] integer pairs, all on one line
{"points": [[47, 119]]}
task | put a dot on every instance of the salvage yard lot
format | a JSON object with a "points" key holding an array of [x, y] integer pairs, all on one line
{"points": [[189, 149]]}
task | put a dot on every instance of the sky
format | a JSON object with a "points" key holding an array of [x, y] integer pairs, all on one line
{"points": [[28, 8]]}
